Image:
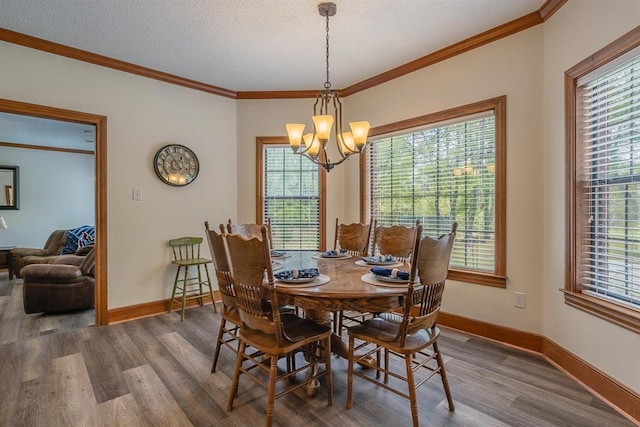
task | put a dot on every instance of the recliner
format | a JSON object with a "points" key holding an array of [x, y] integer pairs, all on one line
{"points": [[67, 284]]}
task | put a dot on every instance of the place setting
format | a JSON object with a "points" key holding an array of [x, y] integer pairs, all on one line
{"points": [[300, 278], [339, 254], [383, 276], [276, 254], [379, 260]]}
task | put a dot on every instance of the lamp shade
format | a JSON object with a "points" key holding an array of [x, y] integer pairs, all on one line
{"points": [[3, 224], [323, 126], [294, 131]]}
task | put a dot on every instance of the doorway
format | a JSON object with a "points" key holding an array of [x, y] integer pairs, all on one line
{"points": [[100, 183]]}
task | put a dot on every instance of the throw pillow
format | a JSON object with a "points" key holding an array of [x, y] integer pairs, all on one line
{"points": [[85, 240], [73, 236]]}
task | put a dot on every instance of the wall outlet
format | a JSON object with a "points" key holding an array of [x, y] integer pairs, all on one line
{"points": [[519, 299], [137, 194]]}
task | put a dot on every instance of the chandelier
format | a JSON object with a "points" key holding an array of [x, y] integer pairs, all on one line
{"points": [[326, 111]]}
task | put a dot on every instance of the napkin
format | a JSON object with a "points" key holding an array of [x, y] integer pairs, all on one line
{"points": [[297, 274], [379, 258], [389, 272], [335, 253]]}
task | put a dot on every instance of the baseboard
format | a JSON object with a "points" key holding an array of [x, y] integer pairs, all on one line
{"points": [[618, 396], [499, 333], [131, 312]]}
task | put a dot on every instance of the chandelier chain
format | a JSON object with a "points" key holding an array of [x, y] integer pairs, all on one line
{"points": [[327, 84]]}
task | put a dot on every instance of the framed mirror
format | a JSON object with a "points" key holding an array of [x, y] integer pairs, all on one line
{"points": [[9, 188]]}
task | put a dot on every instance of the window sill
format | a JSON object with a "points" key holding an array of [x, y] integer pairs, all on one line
{"points": [[476, 277], [626, 317]]}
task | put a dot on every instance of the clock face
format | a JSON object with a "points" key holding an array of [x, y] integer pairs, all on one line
{"points": [[176, 165]]}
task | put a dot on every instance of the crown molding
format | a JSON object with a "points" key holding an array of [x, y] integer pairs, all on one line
{"points": [[104, 61]]}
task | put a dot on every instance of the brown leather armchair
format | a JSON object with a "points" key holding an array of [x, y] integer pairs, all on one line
{"points": [[67, 284], [54, 245]]}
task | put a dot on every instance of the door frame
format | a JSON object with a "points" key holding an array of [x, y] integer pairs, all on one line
{"points": [[100, 183]]}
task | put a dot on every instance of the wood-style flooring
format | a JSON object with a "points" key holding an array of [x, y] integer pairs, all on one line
{"points": [[55, 370]]}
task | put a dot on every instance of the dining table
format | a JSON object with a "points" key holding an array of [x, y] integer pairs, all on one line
{"points": [[345, 283]]}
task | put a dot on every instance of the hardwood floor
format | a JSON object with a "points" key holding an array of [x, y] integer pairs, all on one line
{"points": [[56, 371]]}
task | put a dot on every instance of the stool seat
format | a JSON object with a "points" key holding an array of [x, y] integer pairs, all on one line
{"points": [[188, 284]]}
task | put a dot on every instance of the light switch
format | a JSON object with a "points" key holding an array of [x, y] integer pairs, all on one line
{"points": [[137, 194]]}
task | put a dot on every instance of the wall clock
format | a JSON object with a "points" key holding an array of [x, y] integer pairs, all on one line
{"points": [[176, 165]]}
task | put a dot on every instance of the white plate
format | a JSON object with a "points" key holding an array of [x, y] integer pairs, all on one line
{"points": [[390, 279], [298, 280]]}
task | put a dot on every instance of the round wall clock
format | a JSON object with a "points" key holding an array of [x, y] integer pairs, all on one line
{"points": [[176, 165]]}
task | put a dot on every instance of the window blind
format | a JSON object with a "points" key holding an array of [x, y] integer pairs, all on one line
{"points": [[440, 174], [608, 158], [291, 199]]}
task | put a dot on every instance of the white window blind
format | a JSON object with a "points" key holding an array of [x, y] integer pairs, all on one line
{"points": [[440, 174], [608, 159], [291, 199]]}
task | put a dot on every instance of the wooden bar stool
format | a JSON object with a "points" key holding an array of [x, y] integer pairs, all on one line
{"points": [[186, 253]]}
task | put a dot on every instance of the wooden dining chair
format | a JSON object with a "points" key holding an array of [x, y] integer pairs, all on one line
{"points": [[230, 322], [250, 231], [410, 331], [395, 240], [264, 328], [354, 238], [186, 254]]}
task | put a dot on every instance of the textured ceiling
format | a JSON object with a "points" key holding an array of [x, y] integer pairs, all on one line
{"points": [[260, 45]]}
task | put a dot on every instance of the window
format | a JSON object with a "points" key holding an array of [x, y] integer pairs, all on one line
{"points": [[291, 195], [440, 168], [603, 188]]}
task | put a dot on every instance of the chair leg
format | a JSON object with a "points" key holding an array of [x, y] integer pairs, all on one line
{"points": [[273, 371], [412, 390], [216, 353], [236, 375], [443, 376], [350, 373], [386, 365]]}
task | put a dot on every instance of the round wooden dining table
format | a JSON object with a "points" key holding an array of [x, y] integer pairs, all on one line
{"points": [[344, 291]]}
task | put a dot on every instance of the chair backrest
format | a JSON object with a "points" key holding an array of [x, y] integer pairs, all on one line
{"points": [[185, 248], [249, 231], [353, 237], [396, 240], [256, 298], [430, 265], [221, 265]]}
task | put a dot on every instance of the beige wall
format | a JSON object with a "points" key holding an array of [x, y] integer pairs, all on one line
{"points": [[143, 115], [511, 67], [576, 31]]}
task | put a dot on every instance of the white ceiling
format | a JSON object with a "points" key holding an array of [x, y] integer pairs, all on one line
{"points": [[261, 45]]}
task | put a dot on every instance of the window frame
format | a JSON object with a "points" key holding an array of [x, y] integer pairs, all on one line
{"points": [[499, 107], [626, 317], [261, 143]]}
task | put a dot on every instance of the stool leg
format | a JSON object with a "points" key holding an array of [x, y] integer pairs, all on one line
{"points": [[173, 293], [213, 301], [184, 291], [201, 299]]}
